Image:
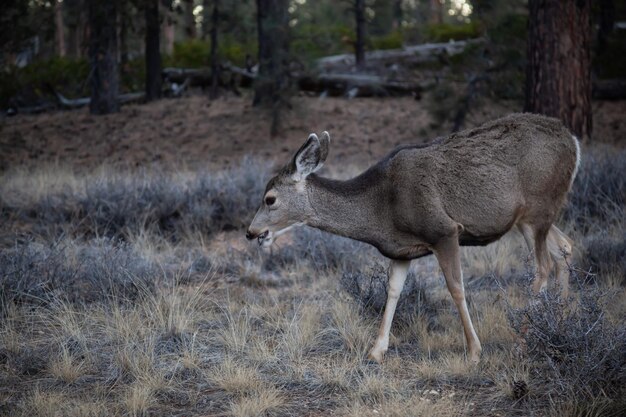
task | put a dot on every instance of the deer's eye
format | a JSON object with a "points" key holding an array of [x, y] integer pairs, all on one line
{"points": [[270, 200]]}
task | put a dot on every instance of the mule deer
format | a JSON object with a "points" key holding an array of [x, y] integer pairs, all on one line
{"points": [[469, 188]]}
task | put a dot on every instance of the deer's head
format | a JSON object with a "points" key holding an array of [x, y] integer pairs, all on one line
{"points": [[286, 201]]}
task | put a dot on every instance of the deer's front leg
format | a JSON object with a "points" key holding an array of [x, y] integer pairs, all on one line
{"points": [[397, 275]]}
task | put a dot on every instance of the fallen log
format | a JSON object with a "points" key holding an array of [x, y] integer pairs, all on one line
{"points": [[409, 55], [239, 71], [335, 84], [353, 85], [198, 77], [201, 77], [357, 85], [177, 90], [239, 76], [75, 103], [36, 109]]}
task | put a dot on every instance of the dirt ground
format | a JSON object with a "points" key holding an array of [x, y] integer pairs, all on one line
{"points": [[194, 132]]}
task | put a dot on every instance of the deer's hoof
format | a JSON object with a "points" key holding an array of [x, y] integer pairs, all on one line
{"points": [[376, 356], [474, 357]]}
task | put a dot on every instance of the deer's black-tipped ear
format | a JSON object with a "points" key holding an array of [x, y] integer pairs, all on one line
{"points": [[324, 145], [311, 156]]}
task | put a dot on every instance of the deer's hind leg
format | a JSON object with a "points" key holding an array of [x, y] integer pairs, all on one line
{"points": [[551, 245], [544, 263], [560, 248], [536, 241], [449, 258]]}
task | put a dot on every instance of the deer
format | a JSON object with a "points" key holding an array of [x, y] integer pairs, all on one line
{"points": [[467, 189]]}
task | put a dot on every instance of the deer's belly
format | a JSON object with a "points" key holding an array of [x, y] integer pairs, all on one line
{"points": [[403, 251], [468, 239]]}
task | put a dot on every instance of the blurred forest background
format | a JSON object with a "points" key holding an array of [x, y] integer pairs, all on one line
{"points": [[70, 53]]}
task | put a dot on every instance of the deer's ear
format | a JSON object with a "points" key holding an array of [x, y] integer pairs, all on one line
{"points": [[324, 145], [311, 156]]}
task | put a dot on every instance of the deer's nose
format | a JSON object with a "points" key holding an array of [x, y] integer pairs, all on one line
{"points": [[250, 235]]}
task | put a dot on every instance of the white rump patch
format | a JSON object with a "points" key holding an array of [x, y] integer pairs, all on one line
{"points": [[577, 144]]}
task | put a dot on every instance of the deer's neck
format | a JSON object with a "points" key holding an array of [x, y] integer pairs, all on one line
{"points": [[346, 208]]}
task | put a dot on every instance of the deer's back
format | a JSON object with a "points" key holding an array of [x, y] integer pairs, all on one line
{"points": [[488, 177]]}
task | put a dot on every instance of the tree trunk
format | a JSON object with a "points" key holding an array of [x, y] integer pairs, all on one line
{"points": [[359, 45], [153, 51], [102, 55], [558, 76], [74, 11], [168, 28], [85, 33], [397, 14], [436, 12], [59, 29], [607, 22], [72, 41], [214, 61], [273, 36], [272, 25], [124, 23], [190, 24]]}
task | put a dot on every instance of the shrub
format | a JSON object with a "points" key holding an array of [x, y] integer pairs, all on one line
{"points": [[598, 195], [607, 256], [573, 349], [192, 53], [369, 289], [30, 84], [230, 49], [116, 205], [85, 272], [392, 40], [311, 41], [444, 32], [321, 251]]}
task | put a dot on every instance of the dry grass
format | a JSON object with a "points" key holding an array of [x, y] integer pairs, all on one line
{"points": [[236, 379], [168, 320], [266, 401], [66, 367]]}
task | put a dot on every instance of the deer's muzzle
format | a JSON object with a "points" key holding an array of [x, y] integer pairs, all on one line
{"points": [[261, 236]]}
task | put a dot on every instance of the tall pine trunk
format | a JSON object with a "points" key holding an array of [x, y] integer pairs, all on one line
{"points": [[359, 45], [558, 76], [436, 12], [397, 14], [189, 19], [168, 29], [606, 24], [153, 51], [103, 56], [272, 24], [123, 36], [214, 62], [74, 13], [272, 81], [59, 34]]}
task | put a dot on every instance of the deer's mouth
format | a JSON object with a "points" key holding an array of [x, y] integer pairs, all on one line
{"points": [[265, 239]]}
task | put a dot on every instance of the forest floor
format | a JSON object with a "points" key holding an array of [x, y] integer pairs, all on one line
{"points": [[194, 132], [127, 286]]}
